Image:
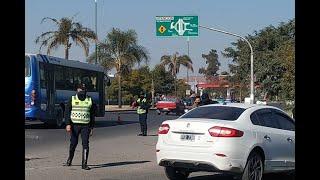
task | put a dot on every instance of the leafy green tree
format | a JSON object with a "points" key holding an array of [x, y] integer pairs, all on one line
{"points": [[213, 64], [273, 61], [120, 50], [163, 80], [67, 31], [173, 62]]}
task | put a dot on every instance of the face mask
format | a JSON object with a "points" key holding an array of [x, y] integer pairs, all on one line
{"points": [[81, 94]]}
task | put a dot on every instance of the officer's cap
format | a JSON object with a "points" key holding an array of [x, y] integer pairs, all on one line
{"points": [[81, 86]]}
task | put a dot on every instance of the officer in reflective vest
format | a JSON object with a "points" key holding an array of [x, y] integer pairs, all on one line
{"points": [[142, 111], [80, 113]]}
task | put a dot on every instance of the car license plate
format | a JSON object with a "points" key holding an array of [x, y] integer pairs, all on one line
{"points": [[187, 137]]}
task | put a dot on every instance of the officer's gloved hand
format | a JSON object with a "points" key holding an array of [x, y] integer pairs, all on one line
{"points": [[68, 128]]}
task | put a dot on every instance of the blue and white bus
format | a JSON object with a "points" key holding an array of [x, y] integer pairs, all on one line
{"points": [[51, 81]]}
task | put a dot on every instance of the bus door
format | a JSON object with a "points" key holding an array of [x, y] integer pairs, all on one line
{"points": [[50, 91]]}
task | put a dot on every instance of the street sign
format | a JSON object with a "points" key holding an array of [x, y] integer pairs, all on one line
{"points": [[172, 26]]}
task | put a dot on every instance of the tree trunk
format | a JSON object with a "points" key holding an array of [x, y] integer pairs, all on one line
{"points": [[66, 51], [119, 91]]}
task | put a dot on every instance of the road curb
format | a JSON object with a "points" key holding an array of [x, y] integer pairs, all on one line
{"points": [[125, 110]]}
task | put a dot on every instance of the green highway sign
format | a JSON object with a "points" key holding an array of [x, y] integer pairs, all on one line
{"points": [[172, 26]]}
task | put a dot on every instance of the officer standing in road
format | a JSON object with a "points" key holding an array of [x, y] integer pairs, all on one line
{"points": [[142, 111], [80, 114]]}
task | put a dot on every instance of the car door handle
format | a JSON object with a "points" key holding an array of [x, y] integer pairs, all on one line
{"points": [[289, 139], [267, 137]]}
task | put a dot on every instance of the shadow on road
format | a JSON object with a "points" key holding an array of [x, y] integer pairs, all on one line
{"points": [[228, 177], [40, 126], [215, 176], [152, 134], [117, 164], [98, 124], [102, 123], [170, 114]]}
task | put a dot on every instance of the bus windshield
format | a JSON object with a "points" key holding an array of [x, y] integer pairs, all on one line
{"points": [[27, 70]]}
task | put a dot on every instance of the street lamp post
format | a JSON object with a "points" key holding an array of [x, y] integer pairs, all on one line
{"points": [[175, 75], [251, 57], [189, 57], [96, 59]]}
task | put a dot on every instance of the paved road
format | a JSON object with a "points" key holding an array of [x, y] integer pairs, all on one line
{"points": [[116, 152]]}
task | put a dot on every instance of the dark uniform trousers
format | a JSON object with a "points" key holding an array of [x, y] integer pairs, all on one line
{"points": [[77, 129], [143, 123]]}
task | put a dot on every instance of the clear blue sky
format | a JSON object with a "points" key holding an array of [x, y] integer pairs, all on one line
{"points": [[241, 17]]}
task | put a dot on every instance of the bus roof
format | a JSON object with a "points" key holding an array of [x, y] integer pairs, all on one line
{"points": [[68, 63]]}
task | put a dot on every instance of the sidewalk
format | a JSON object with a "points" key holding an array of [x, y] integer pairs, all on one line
{"points": [[116, 108], [111, 108]]}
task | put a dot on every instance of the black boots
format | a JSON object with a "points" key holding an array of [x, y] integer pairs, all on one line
{"points": [[69, 161], [85, 154]]}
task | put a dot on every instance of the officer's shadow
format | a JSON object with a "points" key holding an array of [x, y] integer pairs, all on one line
{"points": [[116, 164]]}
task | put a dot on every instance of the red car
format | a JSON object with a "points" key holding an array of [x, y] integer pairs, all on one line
{"points": [[172, 104]]}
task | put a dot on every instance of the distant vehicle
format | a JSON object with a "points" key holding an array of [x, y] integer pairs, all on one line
{"points": [[51, 81], [245, 140], [219, 100], [171, 104], [261, 102]]}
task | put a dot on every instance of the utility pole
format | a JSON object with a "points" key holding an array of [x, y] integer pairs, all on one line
{"points": [[152, 91], [96, 31]]}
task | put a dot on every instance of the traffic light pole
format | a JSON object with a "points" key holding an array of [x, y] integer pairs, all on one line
{"points": [[251, 57]]}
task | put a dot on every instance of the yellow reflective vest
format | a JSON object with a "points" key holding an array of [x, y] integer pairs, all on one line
{"points": [[139, 109], [80, 112]]}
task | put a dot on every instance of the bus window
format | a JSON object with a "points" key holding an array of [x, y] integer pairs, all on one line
{"points": [[27, 69], [76, 77], [43, 82], [94, 81], [59, 79], [89, 78], [69, 85]]}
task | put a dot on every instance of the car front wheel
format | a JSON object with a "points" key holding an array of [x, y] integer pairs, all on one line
{"points": [[176, 174], [254, 168]]}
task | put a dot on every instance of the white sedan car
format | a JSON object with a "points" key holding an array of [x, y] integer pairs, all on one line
{"points": [[246, 140]]}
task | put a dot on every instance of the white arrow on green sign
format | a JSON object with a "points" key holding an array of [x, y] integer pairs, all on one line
{"points": [[172, 26]]}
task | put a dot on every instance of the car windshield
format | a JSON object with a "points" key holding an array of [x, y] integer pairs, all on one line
{"points": [[170, 99], [27, 70], [215, 112]]}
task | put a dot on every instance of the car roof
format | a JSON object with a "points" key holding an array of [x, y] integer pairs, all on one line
{"points": [[242, 105]]}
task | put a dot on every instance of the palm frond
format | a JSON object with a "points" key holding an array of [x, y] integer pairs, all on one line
{"points": [[52, 19]]}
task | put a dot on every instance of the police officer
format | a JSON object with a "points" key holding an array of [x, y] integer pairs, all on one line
{"points": [[80, 113], [142, 111]]}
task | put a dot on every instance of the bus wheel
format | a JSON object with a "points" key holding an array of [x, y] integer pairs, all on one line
{"points": [[59, 118]]}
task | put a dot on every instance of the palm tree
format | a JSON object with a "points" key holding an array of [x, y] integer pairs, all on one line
{"points": [[120, 50], [67, 31], [174, 62]]}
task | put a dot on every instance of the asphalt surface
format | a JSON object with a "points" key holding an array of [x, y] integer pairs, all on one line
{"points": [[116, 152]]}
